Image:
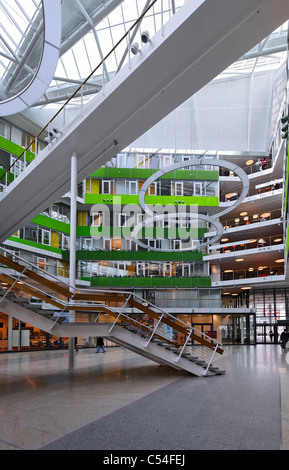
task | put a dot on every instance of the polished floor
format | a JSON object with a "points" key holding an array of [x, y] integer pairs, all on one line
{"points": [[121, 401]]}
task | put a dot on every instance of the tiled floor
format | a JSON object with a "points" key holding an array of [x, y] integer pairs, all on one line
{"points": [[119, 400]]}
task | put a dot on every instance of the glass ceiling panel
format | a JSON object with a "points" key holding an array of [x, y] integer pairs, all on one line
{"points": [[14, 26]]}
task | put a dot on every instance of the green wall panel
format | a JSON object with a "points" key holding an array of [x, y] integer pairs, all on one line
{"points": [[148, 282], [144, 173], [15, 149]]}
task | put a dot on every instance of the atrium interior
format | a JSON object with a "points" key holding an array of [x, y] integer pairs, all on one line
{"points": [[144, 183]]}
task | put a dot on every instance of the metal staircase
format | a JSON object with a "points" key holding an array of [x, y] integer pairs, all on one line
{"points": [[136, 325]]}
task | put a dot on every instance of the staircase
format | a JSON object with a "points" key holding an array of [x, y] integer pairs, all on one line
{"points": [[136, 325]]}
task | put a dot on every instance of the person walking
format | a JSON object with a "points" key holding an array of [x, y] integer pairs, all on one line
{"points": [[100, 344]]}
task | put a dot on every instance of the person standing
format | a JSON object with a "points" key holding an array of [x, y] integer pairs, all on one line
{"points": [[258, 165], [100, 344], [264, 163]]}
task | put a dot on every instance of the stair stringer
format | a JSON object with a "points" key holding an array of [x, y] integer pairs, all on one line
{"points": [[117, 335]]}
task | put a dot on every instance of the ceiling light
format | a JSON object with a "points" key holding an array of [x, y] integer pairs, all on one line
{"points": [[239, 259], [281, 260], [243, 213], [278, 240], [246, 218], [246, 288], [255, 216], [237, 220], [249, 162], [253, 240], [265, 214], [224, 239], [251, 269], [229, 271]]}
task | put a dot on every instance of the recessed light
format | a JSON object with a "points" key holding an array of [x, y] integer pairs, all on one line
{"points": [[265, 214], [281, 260], [278, 240], [224, 239], [249, 162], [239, 259], [246, 288], [243, 213]]}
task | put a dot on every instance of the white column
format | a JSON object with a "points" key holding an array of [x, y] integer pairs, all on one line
{"points": [[10, 327], [72, 245]]}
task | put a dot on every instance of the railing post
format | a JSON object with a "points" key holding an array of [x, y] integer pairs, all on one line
{"points": [[154, 330], [13, 284], [185, 344], [211, 359]]}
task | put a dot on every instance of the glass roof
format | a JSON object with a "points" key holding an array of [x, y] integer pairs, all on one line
{"points": [[90, 29]]}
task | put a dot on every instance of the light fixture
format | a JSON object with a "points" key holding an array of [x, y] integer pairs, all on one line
{"points": [[246, 288], [246, 218], [228, 271], [224, 239], [253, 240], [284, 129], [239, 259], [255, 216], [135, 48], [145, 37], [237, 220], [277, 240], [265, 214], [281, 260], [243, 213], [249, 162], [52, 134], [251, 269]]}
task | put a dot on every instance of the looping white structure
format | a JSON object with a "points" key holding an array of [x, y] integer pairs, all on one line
{"points": [[47, 64], [210, 219]]}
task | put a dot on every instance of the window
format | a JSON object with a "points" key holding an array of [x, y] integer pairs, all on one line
{"points": [[44, 237], [131, 187], [143, 161], [153, 189], [177, 188], [121, 161], [166, 160], [198, 189], [97, 219], [107, 186]]}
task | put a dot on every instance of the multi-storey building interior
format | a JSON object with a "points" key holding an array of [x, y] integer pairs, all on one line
{"points": [[216, 254]]}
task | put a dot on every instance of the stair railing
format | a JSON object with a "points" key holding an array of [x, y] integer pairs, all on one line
{"points": [[17, 279]]}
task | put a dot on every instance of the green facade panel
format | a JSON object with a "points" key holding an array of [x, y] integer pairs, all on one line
{"points": [[144, 173], [125, 199], [15, 149], [135, 256], [129, 282]]}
